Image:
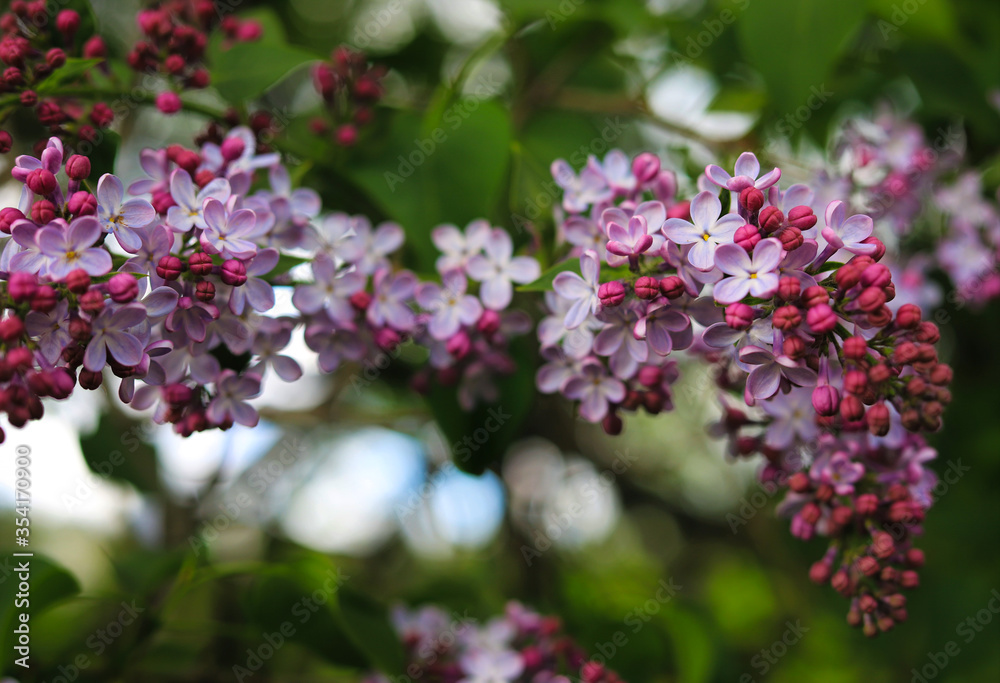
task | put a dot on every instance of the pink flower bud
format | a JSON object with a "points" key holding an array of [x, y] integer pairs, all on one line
{"points": [[814, 296], [855, 348], [8, 216], [789, 288], [770, 219], [878, 373], [387, 339], [941, 375], [11, 329], [840, 581], [680, 210], [90, 380], [847, 276], [645, 167], [41, 181], [360, 301], [168, 102], [169, 268], [928, 333], [915, 557], [820, 572], [866, 504], [612, 424], [234, 273], [123, 288], [821, 319], [78, 167], [43, 211], [871, 299], [44, 299], [793, 347], [459, 345], [346, 135], [6, 142], [739, 316], [21, 286], [801, 217], [855, 382], [82, 204], [611, 293], [791, 238], [78, 281], [908, 317], [751, 199], [879, 247], [826, 400], [650, 376], [489, 322], [205, 291], [200, 263], [867, 565], [909, 579], [747, 236], [876, 275], [92, 301], [55, 58], [786, 318], [647, 287], [672, 286], [877, 418], [665, 187], [232, 148], [68, 22], [178, 394]]}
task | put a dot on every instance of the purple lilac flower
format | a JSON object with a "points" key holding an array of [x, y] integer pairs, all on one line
{"points": [[390, 304], [754, 276], [369, 249], [156, 164], [792, 417], [50, 330], [456, 246], [191, 318], [188, 211], [552, 330], [587, 189], [745, 175], [557, 371], [122, 219], [618, 342], [230, 402], [155, 244], [498, 268], [837, 470], [331, 291], [847, 233], [653, 213], [333, 344], [450, 306], [580, 289], [73, 248], [768, 371], [111, 336], [706, 232], [256, 291], [659, 324], [595, 389], [227, 233], [272, 337]]}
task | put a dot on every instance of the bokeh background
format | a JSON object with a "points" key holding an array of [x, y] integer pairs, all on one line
{"points": [[218, 535]]}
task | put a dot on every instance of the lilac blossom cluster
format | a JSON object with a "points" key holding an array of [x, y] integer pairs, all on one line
{"points": [[518, 646], [787, 297], [169, 284], [918, 192]]}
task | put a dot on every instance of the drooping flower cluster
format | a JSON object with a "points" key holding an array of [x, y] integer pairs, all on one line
{"points": [[788, 298], [350, 87], [519, 646]]}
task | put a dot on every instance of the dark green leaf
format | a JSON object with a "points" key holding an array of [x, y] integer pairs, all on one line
{"points": [[247, 70], [73, 68], [118, 449], [544, 283], [49, 583], [367, 624]]}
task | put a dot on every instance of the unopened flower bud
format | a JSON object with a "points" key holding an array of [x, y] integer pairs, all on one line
{"points": [[232, 148], [791, 238], [78, 167], [739, 316], [908, 317], [879, 373], [879, 247], [41, 181], [786, 318], [814, 296], [793, 347], [770, 219], [168, 102], [826, 400], [747, 236], [44, 299], [680, 210], [200, 263], [234, 273], [489, 322], [789, 288], [851, 408], [82, 204], [459, 345], [751, 199], [876, 275], [801, 217], [78, 281], [647, 287], [855, 348], [123, 288], [672, 286], [905, 353], [169, 268], [928, 333], [92, 301], [820, 572], [871, 299], [204, 291], [877, 418], [8, 216], [612, 424], [821, 318], [611, 293], [43, 211], [645, 167]]}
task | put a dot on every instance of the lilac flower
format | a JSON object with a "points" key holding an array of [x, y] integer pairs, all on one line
{"points": [[240, 170], [837, 470], [458, 247], [450, 306], [122, 219], [631, 242], [272, 337], [256, 290], [489, 666], [847, 234], [766, 376], [22, 252], [302, 203], [694, 279], [581, 290], [73, 248], [797, 260], [659, 324], [160, 302], [333, 344], [188, 212], [795, 195], [227, 233], [552, 330], [618, 342], [595, 390], [754, 276], [792, 417], [617, 171], [653, 213], [191, 318], [560, 368], [51, 160], [390, 304], [111, 335], [706, 232], [497, 269], [369, 249], [156, 164], [332, 237], [230, 402], [579, 193], [721, 336], [746, 172], [50, 330], [584, 232], [331, 291]]}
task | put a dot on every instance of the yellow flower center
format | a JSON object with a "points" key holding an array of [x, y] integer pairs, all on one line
{"points": [[71, 255]]}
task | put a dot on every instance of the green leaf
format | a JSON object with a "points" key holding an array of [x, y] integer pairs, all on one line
{"points": [[453, 175], [738, 99], [247, 70], [367, 624], [73, 68], [49, 583], [544, 283], [795, 45], [118, 449]]}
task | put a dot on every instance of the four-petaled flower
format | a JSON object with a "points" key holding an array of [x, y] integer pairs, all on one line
{"points": [[754, 276], [746, 172], [122, 219], [111, 332], [594, 389], [768, 371], [230, 402], [228, 233], [456, 246], [73, 248], [392, 294], [188, 212], [581, 290], [706, 232], [449, 305], [498, 268], [847, 233]]}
